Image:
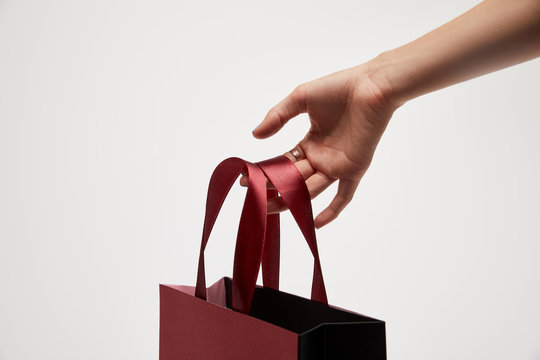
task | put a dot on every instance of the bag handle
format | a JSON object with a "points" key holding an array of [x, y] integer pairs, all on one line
{"points": [[258, 233], [283, 174], [251, 232], [270, 260]]}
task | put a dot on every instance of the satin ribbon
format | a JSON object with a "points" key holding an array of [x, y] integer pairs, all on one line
{"points": [[258, 234]]}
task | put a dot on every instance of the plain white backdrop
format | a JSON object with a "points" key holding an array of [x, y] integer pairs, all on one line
{"points": [[113, 115]]}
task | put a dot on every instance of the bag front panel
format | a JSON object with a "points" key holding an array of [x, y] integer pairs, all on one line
{"points": [[194, 329]]}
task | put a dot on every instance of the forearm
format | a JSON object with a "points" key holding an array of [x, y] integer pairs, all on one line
{"points": [[493, 35]]}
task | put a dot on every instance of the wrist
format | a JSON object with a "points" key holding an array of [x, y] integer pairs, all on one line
{"points": [[388, 77]]}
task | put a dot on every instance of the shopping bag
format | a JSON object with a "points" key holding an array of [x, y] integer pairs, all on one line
{"points": [[235, 319]]}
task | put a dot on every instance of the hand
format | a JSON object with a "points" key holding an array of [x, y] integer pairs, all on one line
{"points": [[348, 111]]}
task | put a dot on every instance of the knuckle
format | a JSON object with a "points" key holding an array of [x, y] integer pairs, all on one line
{"points": [[346, 198], [274, 112], [299, 92]]}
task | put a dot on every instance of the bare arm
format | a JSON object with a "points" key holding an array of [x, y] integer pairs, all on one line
{"points": [[493, 35]]}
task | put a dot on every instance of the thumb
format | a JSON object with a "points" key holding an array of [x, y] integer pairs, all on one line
{"points": [[278, 116]]}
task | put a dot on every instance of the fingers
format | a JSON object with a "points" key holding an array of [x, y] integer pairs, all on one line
{"points": [[343, 197], [278, 116], [316, 184], [276, 205]]}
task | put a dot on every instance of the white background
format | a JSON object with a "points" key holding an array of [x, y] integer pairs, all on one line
{"points": [[113, 115]]}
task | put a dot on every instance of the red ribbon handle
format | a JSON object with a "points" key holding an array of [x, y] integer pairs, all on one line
{"points": [[270, 260], [285, 177], [258, 233], [251, 232]]}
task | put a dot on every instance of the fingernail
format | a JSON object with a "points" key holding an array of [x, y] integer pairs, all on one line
{"points": [[255, 128]]}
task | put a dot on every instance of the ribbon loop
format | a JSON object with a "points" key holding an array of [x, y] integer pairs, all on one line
{"points": [[284, 175], [251, 232], [258, 234]]}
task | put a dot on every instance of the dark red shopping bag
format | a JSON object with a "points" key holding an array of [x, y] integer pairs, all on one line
{"points": [[235, 319]]}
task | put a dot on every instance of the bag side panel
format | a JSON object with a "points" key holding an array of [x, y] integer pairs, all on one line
{"points": [[296, 313], [346, 341]]}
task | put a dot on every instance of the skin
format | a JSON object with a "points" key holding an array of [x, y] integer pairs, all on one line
{"points": [[350, 109]]}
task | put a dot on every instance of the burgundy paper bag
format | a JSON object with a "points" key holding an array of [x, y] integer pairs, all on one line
{"points": [[234, 319]]}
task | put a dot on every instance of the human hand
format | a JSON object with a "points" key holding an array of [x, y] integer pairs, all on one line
{"points": [[348, 111]]}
